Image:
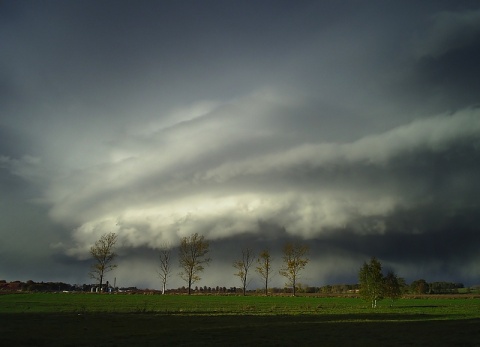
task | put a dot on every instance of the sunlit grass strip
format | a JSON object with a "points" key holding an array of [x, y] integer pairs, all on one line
{"points": [[233, 305]]}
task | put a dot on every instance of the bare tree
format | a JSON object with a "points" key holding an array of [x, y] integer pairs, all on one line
{"points": [[192, 256], [164, 271], [103, 251], [243, 265], [294, 261], [264, 266]]}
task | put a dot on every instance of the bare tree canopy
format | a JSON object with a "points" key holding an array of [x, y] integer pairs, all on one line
{"points": [[164, 270], [264, 267], [192, 258], [294, 261], [103, 251], [243, 265]]}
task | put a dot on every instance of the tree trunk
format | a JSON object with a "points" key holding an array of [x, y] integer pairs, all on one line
{"points": [[245, 285], [101, 283]]}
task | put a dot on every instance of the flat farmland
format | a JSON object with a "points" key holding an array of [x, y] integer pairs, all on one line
{"points": [[67, 319]]}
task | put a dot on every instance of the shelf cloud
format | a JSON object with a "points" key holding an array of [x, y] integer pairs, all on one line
{"points": [[345, 127]]}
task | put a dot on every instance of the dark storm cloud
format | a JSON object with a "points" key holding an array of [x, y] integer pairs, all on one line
{"points": [[351, 127], [448, 61], [443, 61]]}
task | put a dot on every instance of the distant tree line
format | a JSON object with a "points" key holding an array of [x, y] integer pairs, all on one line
{"points": [[330, 289], [31, 286], [423, 287]]}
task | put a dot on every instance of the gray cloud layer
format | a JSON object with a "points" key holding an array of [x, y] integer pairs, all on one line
{"points": [[348, 127]]}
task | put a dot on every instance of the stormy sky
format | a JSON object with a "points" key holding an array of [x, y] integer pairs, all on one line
{"points": [[351, 126]]}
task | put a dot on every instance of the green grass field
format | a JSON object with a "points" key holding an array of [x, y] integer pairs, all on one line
{"points": [[180, 320]]}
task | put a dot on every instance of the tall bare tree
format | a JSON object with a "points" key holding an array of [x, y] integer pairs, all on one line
{"points": [[264, 267], [193, 255], [103, 251], [243, 265], [164, 271], [294, 261]]}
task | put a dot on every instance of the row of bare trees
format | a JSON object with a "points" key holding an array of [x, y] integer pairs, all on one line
{"points": [[294, 261], [193, 257]]}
